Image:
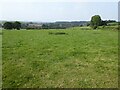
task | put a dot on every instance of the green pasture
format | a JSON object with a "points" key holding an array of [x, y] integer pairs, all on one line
{"points": [[61, 58]]}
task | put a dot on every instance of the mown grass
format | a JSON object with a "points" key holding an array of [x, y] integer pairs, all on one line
{"points": [[76, 59]]}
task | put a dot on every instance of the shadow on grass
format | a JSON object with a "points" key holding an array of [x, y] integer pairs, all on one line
{"points": [[58, 33]]}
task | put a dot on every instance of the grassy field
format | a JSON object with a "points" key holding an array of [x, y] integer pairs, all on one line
{"points": [[0, 59], [71, 58]]}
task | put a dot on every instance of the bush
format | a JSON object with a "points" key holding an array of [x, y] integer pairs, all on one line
{"points": [[94, 27]]}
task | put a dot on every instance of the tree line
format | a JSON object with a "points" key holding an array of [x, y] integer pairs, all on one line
{"points": [[95, 22], [12, 25]]}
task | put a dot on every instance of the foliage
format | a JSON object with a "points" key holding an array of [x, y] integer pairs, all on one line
{"points": [[44, 26], [104, 23], [8, 25], [95, 21], [110, 21], [17, 25], [88, 24], [94, 27], [12, 25]]}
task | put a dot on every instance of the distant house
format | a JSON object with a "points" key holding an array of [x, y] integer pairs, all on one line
{"points": [[34, 26]]}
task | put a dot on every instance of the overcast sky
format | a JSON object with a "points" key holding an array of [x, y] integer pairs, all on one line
{"points": [[57, 10]]}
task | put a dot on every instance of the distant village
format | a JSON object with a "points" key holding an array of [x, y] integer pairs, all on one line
{"points": [[49, 25]]}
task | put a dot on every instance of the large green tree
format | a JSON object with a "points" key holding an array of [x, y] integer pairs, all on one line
{"points": [[95, 21], [17, 25], [8, 25]]}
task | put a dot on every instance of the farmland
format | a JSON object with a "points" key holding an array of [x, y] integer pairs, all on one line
{"points": [[69, 58]]}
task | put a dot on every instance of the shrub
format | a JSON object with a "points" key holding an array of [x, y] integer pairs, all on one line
{"points": [[94, 27]]}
